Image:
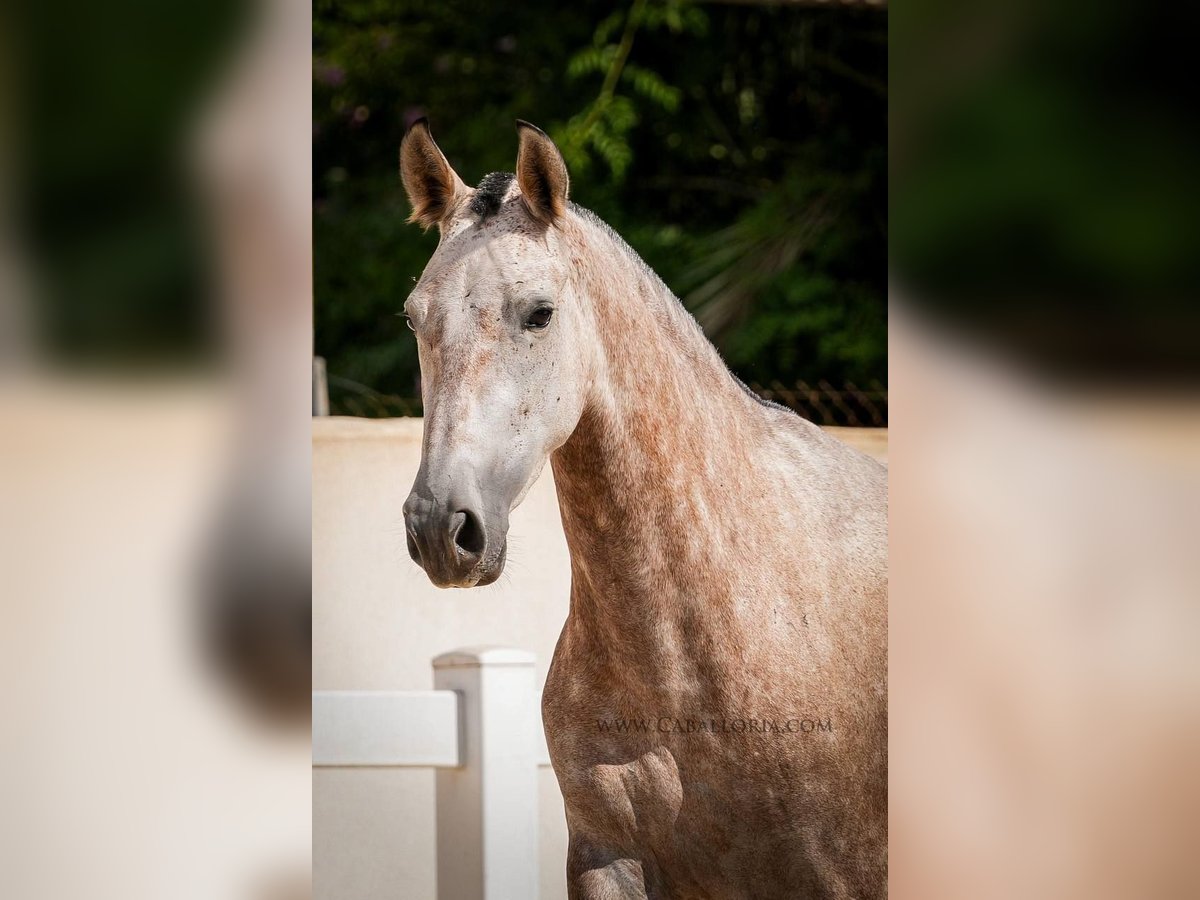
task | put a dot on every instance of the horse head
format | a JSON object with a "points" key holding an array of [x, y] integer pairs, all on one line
{"points": [[502, 343]]}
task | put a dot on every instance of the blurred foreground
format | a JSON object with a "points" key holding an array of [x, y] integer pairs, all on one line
{"points": [[1045, 450], [1044, 604], [155, 255]]}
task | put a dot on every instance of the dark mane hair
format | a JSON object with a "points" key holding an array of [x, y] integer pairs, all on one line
{"points": [[490, 193]]}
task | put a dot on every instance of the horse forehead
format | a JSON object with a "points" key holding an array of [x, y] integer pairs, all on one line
{"points": [[477, 258]]}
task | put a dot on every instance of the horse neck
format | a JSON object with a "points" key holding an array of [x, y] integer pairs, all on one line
{"points": [[644, 481]]}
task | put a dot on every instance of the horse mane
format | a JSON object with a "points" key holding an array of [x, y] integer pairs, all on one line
{"points": [[490, 194], [681, 310]]}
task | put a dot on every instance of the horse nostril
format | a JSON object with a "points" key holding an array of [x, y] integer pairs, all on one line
{"points": [[413, 550], [469, 535]]}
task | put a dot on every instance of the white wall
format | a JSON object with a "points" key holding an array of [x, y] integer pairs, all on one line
{"points": [[377, 624]]}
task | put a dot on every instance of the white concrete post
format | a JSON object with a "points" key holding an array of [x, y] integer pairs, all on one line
{"points": [[487, 808]]}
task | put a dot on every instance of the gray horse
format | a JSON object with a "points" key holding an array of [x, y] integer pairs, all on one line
{"points": [[716, 710]]}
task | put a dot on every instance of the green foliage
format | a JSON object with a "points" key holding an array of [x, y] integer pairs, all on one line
{"points": [[605, 125], [652, 87], [739, 149]]}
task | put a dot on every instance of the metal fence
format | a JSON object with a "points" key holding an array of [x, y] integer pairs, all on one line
{"points": [[825, 404], [822, 403]]}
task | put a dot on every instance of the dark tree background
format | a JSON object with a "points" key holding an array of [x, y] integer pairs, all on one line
{"points": [[739, 148]]}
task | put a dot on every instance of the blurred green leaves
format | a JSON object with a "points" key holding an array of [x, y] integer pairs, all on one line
{"points": [[604, 125], [719, 140], [1044, 183]]}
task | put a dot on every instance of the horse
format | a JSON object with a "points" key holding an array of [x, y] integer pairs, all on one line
{"points": [[716, 708]]}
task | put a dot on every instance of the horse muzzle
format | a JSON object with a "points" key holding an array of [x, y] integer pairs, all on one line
{"points": [[452, 543]]}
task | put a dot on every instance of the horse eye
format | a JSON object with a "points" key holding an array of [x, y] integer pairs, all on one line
{"points": [[539, 318], [408, 322]]}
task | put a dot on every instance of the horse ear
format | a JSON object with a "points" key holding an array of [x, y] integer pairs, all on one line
{"points": [[541, 174], [429, 181]]}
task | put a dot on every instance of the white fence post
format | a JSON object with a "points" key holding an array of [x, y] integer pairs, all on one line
{"points": [[487, 808]]}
